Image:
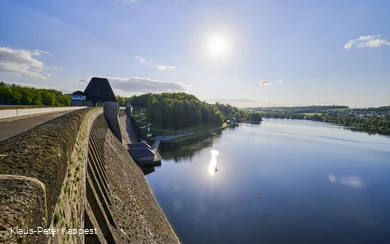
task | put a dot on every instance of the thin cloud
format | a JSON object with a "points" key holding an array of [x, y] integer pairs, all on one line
{"points": [[332, 178], [279, 81], [163, 67], [232, 100], [144, 85], [141, 59], [265, 83], [54, 68], [353, 181], [22, 62], [38, 52], [126, 1], [367, 41]]}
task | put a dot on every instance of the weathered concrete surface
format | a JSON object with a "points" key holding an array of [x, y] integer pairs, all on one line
{"points": [[111, 113], [136, 213], [23, 205], [12, 127], [127, 131]]}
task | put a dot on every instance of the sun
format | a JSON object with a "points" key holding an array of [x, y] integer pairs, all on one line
{"points": [[218, 45]]}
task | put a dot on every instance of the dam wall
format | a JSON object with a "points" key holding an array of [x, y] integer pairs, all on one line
{"points": [[73, 173]]}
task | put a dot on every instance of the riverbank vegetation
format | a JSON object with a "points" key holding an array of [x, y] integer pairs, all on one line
{"points": [[18, 95], [370, 120]]}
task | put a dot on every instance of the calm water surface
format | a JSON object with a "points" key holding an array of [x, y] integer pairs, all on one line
{"points": [[319, 183]]}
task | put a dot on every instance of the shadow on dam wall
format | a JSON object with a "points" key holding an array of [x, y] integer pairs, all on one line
{"points": [[74, 173]]}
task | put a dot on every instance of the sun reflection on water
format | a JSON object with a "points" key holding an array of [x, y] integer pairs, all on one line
{"points": [[213, 162]]}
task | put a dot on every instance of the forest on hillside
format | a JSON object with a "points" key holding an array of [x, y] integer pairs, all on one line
{"points": [[18, 95], [181, 110], [177, 110]]}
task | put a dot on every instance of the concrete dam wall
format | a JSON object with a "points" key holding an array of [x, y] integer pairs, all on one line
{"points": [[73, 174]]}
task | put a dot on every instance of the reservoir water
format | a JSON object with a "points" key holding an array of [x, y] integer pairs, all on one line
{"points": [[284, 181]]}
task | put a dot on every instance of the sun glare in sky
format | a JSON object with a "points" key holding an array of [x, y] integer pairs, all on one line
{"points": [[218, 45]]}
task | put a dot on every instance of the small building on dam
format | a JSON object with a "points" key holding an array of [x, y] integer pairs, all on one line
{"points": [[97, 91], [141, 153]]}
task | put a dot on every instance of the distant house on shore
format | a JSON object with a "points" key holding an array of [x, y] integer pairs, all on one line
{"points": [[98, 90], [232, 121]]}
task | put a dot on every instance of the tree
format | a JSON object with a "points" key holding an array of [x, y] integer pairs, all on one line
{"points": [[27, 96], [255, 117], [37, 98], [48, 98], [6, 95]]}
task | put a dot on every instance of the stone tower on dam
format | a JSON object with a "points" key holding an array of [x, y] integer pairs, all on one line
{"points": [[72, 180]]}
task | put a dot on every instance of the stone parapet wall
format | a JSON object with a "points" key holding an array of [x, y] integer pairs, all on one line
{"points": [[82, 103]]}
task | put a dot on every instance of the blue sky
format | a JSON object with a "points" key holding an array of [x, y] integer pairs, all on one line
{"points": [[246, 53]]}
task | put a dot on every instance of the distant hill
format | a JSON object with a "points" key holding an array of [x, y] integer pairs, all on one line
{"points": [[300, 109]]}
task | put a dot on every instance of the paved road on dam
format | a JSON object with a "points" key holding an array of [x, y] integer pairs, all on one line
{"points": [[14, 127]]}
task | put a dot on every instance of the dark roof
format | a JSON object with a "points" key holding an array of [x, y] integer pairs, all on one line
{"points": [[99, 90], [138, 145], [141, 152], [78, 93]]}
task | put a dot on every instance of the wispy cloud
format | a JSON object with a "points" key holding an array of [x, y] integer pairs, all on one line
{"points": [[265, 83], [164, 67], [367, 41], [232, 100], [126, 1], [353, 181], [141, 59], [54, 68], [332, 178], [38, 52], [279, 81], [144, 85], [22, 62]]}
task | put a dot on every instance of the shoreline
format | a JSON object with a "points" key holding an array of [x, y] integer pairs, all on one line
{"points": [[352, 128]]}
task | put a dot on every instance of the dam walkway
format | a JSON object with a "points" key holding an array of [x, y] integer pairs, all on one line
{"points": [[15, 126]]}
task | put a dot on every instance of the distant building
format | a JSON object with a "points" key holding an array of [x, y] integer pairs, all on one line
{"points": [[232, 121], [98, 90]]}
